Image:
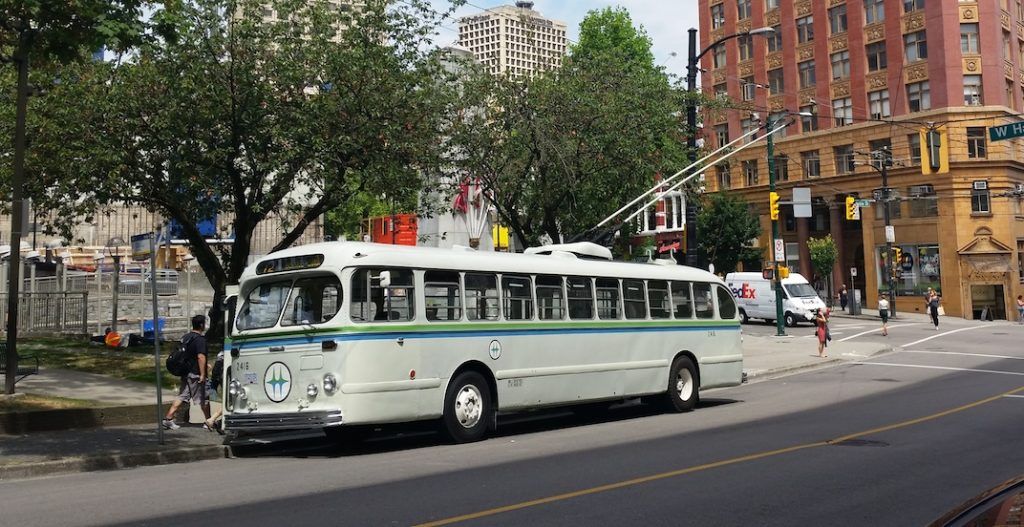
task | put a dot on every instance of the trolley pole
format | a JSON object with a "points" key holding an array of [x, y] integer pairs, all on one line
{"points": [[780, 322]]}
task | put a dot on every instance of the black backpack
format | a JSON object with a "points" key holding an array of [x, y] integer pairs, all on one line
{"points": [[179, 361]]}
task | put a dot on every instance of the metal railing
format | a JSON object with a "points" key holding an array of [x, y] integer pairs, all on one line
{"points": [[50, 312]]}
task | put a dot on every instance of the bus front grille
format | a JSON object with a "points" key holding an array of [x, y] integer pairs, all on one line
{"points": [[282, 421]]}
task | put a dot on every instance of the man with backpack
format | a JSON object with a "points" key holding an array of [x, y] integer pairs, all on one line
{"points": [[193, 383]]}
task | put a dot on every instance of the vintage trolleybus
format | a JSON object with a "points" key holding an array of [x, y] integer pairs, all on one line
{"points": [[338, 334]]}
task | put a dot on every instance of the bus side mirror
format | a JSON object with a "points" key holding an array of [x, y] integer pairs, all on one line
{"points": [[385, 278]]}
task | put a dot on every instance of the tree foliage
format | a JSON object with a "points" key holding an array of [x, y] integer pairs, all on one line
{"points": [[823, 254], [249, 118], [561, 150], [611, 30], [729, 228]]}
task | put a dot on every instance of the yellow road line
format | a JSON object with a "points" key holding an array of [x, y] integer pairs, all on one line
{"points": [[707, 466]]}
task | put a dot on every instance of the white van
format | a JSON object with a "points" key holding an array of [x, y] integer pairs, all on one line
{"points": [[756, 298]]}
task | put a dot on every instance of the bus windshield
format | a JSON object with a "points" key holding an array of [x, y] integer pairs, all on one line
{"points": [[311, 300], [800, 290]]}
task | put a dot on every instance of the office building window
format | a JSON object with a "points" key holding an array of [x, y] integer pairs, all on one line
{"points": [[842, 111], [923, 203], [969, 38], [919, 96], [721, 90], [748, 88], [840, 65], [722, 134], [980, 200], [915, 46], [1011, 101], [895, 212], [809, 118], [804, 29], [976, 146], [914, 148], [779, 118], [746, 46], [717, 16], [770, 4], [718, 59], [723, 177], [750, 172], [972, 90], [781, 167], [876, 56], [810, 163], [806, 70], [749, 125], [874, 11], [912, 5], [843, 156], [837, 19], [775, 39], [776, 85], [1007, 48], [878, 104], [742, 9]]}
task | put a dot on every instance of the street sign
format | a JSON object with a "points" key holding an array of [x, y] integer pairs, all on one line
{"points": [[1006, 131], [853, 271], [802, 202], [890, 234], [780, 250], [864, 202], [140, 246]]}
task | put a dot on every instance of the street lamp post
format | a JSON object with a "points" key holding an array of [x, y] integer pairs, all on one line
{"points": [[693, 59], [885, 162]]}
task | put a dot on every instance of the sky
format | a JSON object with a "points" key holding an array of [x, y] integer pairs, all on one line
{"points": [[666, 21]]}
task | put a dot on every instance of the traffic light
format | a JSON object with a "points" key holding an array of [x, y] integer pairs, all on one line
{"points": [[773, 205], [852, 210], [783, 272], [934, 151]]}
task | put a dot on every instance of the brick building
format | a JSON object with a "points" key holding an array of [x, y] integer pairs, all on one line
{"points": [[875, 73]]}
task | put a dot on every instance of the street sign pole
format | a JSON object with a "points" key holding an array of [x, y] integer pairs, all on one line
{"points": [[779, 316], [156, 338]]}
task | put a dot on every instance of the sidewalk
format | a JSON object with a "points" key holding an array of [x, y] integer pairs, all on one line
{"points": [[105, 447]]}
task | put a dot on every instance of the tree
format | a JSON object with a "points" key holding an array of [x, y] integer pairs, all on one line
{"points": [[563, 149], [734, 227], [611, 30], [250, 118], [823, 255], [49, 32]]}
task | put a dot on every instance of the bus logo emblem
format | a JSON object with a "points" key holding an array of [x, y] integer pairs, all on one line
{"points": [[494, 349], [277, 382]]}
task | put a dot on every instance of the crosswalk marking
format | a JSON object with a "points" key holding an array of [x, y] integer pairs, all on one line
{"points": [[948, 368], [984, 355], [943, 334]]}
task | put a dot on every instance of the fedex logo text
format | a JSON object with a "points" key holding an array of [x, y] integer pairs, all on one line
{"points": [[744, 292]]}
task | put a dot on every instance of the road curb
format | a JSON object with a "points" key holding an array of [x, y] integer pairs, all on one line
{"points": [[789, 370], [17, 423], [100, 462]]}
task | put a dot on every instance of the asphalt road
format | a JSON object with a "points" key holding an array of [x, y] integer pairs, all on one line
{"points": [[897, 439]]}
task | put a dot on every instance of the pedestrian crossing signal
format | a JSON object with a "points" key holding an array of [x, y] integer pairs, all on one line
{"points": [[773, 205], [852, 210]]}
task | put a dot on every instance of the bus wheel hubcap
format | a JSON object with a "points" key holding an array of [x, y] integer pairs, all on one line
{"points": [[468, 406], [684, 384]]}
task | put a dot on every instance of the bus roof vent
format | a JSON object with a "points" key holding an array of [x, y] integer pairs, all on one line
{"points": [[663, 261], [458, 247], [584, 250]]}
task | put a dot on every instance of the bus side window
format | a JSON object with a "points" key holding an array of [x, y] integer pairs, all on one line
{"points": [[481, 296], [361, 309], [635, 299], [682, 304], [581, 298], [657, 296], [441, 295], [726, 304], [702, 299], [312, 301], [550, 304], [518, 296], [393, 303], [607, 298]]}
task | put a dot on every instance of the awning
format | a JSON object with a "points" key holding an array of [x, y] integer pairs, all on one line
{"points": [[674, 246]]}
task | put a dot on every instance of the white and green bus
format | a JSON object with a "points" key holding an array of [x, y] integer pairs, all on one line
{"points": [[334, 335]]}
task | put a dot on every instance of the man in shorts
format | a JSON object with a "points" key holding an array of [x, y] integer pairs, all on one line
{"points": [[193, 386]]}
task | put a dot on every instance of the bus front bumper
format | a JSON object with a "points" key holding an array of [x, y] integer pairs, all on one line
{"points": [[283, 421]]}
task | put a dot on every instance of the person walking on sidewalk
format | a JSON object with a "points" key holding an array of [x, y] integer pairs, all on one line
{"points": [[883, 313], [932, 300], [213, 391], [1020, 309], [844, 297], [193, 385], [821, 320]]}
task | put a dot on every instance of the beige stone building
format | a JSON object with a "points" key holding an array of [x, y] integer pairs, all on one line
{"points": [[514, 40]]}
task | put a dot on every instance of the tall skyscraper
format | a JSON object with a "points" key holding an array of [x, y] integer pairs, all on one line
{"points": [[514, 40], [882, 85]]}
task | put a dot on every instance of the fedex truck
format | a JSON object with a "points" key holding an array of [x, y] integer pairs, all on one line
{"points": [[756, 298]]}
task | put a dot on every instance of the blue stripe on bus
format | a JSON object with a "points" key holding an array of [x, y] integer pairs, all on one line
{"points": [[473, 333]]}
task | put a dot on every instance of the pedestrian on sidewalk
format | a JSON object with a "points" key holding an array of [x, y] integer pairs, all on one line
{"points": [[844, 297], [213, 390], [192, 388], [932, 300], [1020, 309], [821, 320], [883, 313]]}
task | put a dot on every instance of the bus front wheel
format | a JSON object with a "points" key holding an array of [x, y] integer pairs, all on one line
{"points": [[682, 386], [467, 407]]}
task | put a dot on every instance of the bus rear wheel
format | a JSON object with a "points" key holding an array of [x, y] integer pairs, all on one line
{"points": [[681, 395], [467, 407]]}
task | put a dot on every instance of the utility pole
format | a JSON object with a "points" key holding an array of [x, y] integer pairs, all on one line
{"points": [[17, 210], [780, 322], [886, 161]]}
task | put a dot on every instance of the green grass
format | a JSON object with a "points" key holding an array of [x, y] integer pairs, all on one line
{"points": [[30, 402], [82, 355]]}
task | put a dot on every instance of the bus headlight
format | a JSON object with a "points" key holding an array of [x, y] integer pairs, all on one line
{"points": [[311, 390], [235, 388], [330, 384]]}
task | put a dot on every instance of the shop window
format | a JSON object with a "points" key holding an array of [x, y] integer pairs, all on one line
{"points": [[915, 269]]}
